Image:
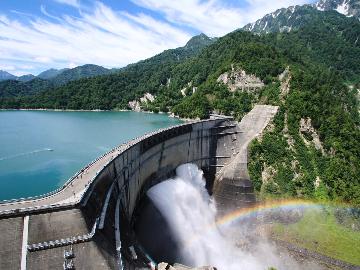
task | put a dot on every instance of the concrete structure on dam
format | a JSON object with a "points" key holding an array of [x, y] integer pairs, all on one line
{"points": [[88, 223]]}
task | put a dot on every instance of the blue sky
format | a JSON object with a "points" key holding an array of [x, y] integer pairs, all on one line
{"points": [[39, 34]]}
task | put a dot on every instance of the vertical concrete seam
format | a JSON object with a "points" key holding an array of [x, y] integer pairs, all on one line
{"points": [[117, 233], [188, 153], [24, 243], [105, 206]]}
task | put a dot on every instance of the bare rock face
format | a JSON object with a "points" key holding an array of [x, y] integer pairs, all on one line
{"points": [[309, 134], [135, 105], [188, 88], [285, 78], [237, 79], [267, 174], [147, 98]]}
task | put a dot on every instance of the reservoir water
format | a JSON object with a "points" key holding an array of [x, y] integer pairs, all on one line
{"points": [[41, 150]]}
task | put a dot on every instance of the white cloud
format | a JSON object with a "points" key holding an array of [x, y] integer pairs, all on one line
{"points": [[7, 67], [44, 11], [214, 17], [73, 3], [102, 36], [72, 65]]}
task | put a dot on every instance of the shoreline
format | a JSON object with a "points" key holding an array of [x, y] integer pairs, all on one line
{"points": [[64, 110], [169, 114]]}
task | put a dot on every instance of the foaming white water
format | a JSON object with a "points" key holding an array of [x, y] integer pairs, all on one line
{"points": [[26, 153], [191, 215], [190, 212]]}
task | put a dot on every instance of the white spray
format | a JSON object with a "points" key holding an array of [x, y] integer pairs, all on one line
{"points": [[191, 214]]}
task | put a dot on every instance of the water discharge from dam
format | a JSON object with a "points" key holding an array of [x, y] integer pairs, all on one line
{"points": [[190, 214]]}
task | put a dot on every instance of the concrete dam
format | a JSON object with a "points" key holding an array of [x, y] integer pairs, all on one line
{"points": [[89, 222]]}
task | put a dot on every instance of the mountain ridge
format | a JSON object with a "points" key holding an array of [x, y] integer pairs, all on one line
{"points": [[53, 78], [294, 17]]}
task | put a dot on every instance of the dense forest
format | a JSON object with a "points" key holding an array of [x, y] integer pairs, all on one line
{"points": [[323, 59]]}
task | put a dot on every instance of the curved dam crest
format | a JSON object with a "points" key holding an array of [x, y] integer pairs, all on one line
{"points": [[91, 217]]}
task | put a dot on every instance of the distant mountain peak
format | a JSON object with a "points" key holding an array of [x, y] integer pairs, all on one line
{"points": [[282, 20], [4, 75], [346, 7], [293, 17], [201, 40], [26, 78], [50, 73]]}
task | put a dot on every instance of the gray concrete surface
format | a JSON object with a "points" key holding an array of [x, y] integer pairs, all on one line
{"points": [[11, 231], [57, 225], [233, 187]]}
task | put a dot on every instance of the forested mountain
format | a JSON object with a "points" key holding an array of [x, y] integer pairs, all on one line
{"points": [[312, 73], [47, 80], [6, 76], [114, 90], [53, 78], [26, 78], [80, 72], [15, 88], [50, 73]]}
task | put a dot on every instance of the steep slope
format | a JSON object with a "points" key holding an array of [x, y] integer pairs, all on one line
{"points": [[283, 20], [325, 37], [346, 7]]}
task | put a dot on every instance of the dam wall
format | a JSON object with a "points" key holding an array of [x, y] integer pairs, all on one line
{"points": [[89, 222], [92, 215]]}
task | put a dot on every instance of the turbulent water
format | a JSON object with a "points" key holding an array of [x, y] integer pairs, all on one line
{"points": [[40, 150], [191, 216]]}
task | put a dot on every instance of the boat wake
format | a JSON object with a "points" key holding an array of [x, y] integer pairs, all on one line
{"points": [[26, 153]]}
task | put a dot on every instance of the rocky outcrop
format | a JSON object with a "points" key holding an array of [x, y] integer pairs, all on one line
{"points": [[284, 78], [238, 80], [309, 134], [135, 105], [188, 88], [267, 174], [147, 98]]}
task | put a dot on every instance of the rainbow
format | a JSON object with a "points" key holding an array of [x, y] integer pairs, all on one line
{"points": [[243, 213], [287, 204]]}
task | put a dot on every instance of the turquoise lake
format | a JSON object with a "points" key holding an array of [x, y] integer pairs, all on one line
{"points": [[41, 150]]}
